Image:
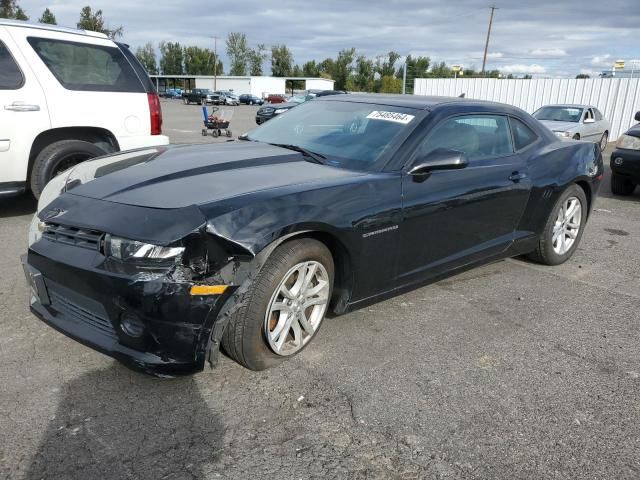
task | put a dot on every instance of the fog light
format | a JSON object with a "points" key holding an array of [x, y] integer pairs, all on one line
{"points": [[131, 325], [618, 161]]}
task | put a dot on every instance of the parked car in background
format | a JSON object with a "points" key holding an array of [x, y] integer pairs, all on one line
{"points": [[625, 161], [172, 93], [343, 201], [68, 95], [200, 96], [267, 112], [248, 99], [227, 98], [276, 98], [577, 122]]}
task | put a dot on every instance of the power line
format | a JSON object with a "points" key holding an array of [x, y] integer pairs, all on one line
{"points": [[486, 45]]}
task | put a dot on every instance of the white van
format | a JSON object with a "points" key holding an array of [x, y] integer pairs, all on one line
{"points": [[66, 96]]}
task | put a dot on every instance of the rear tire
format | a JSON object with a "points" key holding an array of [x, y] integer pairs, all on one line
{"points": [[57, 157], [558, 229], [621, 185], [245, 337], [603, 141], [185, 101]]}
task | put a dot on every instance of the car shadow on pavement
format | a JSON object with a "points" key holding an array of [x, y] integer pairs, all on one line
{"points": [[115, 424], [24, 204]]}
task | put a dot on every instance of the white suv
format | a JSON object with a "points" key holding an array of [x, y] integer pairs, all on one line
{"points": [[66, 96]]}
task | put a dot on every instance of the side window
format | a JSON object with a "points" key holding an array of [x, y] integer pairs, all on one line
{"points": [[86, 67], [477, 136], [523, 136], [598, 114], [10, 74]]}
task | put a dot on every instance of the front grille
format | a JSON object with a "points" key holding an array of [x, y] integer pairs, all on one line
{"points": [[72, 236], [72, 310]]}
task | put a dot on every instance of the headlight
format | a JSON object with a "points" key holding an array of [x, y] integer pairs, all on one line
{"points": [[563, 134], [280, 110], [35, 229], [132, 250], [628, 142]]}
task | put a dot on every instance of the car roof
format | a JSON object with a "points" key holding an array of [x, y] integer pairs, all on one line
{"points": [[569, 105], [419, 102], [54, 28]]}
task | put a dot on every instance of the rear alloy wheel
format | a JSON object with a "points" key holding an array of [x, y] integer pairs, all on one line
{"points": [[621, 185], [58, 157], [283, 308], [603, 141], [563, 229]]}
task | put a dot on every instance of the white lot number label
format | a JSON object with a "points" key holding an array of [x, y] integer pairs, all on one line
{"points": [[391, 116]]}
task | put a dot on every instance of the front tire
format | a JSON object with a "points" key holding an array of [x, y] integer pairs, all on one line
{"points": [[621, 185], [603, 141], [563, 229], [576, 136], [185, 101], [283, 308], [57, 157]]}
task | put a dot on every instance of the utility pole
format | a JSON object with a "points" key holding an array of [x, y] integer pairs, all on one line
{"points": [[486, 45], [404, 76], [215, 63]]}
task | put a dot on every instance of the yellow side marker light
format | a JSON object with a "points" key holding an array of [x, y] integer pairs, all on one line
{"points": [[208, 289]]}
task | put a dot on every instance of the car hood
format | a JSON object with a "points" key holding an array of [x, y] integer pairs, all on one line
{"points": [[559, 126], [634, 131], [176, 177]]}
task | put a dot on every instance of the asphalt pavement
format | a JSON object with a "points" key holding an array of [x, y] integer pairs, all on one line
{"points": [[509, 371]]}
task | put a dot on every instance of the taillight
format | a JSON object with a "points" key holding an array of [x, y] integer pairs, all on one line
{"points": [[155, 113]]}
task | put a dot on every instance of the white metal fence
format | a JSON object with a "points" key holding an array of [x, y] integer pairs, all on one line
{"points": [[617, 98]]}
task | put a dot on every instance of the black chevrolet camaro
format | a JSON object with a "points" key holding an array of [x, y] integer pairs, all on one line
{"points": [[158, 257]]}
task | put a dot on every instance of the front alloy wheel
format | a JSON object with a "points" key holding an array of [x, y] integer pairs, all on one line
{"points": [[282, 308], [297, 308]]}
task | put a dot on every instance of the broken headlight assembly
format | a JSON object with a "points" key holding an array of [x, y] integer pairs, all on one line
{"points": [[134, 251]]}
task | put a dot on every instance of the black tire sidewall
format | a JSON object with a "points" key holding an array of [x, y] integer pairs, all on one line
{"points": [[550, 256], [257, 352], [50, 157]]}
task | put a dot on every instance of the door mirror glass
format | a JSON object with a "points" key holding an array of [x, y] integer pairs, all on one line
{"points": [[589, 120], [439, 159], [637, 117]]}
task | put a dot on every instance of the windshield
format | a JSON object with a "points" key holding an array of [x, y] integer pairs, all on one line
{"points": [[350, 135], [298, 98], [559, 114]]}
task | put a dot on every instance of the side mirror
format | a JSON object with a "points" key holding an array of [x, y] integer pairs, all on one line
{"points": [[439, 159], [637, 117], [589, 120]]}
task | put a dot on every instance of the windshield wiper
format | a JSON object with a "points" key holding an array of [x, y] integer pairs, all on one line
{"points": [[314, 156]]}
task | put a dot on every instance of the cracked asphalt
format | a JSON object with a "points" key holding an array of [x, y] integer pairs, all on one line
{"points": [[509, 371]]}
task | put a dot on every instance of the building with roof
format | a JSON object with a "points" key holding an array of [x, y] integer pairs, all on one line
{"points": [[260, 86]]}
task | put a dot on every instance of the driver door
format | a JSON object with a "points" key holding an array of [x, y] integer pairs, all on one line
{"points": [[455, 217]]}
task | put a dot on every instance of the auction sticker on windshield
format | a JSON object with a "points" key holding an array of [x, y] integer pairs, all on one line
{"points": [[390, 116]]}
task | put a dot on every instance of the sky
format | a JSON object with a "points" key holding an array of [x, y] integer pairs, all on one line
{"points": [[544, 38]]}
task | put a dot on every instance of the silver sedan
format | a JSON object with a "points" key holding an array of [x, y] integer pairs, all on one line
{"points": [[577, 122]]}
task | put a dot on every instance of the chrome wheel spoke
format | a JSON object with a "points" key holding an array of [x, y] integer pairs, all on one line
{"points": [[305, 324], [566, 227], [316, 290]]}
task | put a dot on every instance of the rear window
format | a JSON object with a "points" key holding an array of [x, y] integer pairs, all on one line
{"points": [[86, 67], [143, 75], [10, 74], [523, 136]]}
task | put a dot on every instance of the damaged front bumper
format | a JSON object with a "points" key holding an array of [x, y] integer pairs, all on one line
{"points": [[149, 321]]}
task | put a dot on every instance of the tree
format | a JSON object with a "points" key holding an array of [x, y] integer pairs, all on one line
{"points": [[255, 58], [199, 61], [327, 68], [281, 61], [390, 84], [363, 79], [238, 53], [94, 21], [440, 70], [582, 76], [386, 65], [147, 57], [343, 68], [171, 58], [416, 68], [48, 17], [10, 9], [310, 69]]}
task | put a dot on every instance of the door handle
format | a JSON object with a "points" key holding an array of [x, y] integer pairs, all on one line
{"points": [[517, 176], [22, 107]]}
